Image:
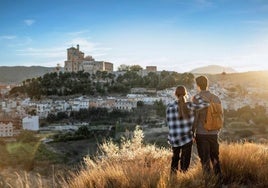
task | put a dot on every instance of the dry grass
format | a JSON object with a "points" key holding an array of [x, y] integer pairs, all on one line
{"points": [[130, 165], [23, 179], [135, 165], [245, 163]]}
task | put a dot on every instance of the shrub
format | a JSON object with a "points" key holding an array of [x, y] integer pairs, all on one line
{"points": [[244, 133]]}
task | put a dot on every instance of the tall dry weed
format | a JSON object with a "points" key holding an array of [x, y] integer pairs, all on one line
{"points": [[133, 164], [245, 163], [130, 164]]}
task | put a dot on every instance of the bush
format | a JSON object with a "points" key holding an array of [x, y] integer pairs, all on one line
{"points": [[244, 133], [83, 131]]}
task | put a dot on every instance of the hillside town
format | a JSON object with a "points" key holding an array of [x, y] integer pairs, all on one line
{"points": [[16, 114]]}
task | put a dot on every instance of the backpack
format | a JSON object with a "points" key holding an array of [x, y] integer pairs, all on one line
{"points": [[214, 118]]}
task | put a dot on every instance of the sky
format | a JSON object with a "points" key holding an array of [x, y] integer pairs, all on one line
{"points": [[174, 35]]}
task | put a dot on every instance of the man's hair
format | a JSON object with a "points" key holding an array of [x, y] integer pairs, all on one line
{"points": [[202, 82]]}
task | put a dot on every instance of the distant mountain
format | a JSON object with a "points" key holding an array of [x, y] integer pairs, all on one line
{"points": [[213, 69], [16, 74]]}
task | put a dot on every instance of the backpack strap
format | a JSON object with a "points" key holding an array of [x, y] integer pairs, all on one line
{"points": [[207, 99]]}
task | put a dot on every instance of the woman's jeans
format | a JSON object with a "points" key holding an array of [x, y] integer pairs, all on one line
{"points": [[182, 154]]}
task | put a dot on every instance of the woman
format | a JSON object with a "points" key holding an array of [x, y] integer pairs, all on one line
{"points": [[180, 118]]}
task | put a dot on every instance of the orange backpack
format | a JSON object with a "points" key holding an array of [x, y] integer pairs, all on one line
{"points": [[214, 118]]}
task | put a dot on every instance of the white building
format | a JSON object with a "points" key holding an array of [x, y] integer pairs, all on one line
{"points": [[84, 103], [125, 104], [30, 123], [79, 103], [61, 105], [6, 129], [150, 100], [43, 109]]}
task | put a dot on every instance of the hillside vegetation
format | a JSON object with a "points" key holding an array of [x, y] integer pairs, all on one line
{"points": [[256, 79], [100, 83]]}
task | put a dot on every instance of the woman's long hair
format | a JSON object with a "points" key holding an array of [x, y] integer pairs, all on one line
{"points": [[181, 93]]}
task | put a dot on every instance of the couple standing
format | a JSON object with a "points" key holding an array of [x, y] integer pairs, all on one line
{"points": [[186, 126]]}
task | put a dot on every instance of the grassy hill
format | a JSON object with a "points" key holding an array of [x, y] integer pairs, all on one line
{"points": [[256, 79], [252, 79]]}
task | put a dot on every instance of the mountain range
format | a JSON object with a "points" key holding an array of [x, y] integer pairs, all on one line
{"points": [[17, 74], [213, 69]]}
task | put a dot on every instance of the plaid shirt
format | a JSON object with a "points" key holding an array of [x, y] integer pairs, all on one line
{"points": [[180, 130]]}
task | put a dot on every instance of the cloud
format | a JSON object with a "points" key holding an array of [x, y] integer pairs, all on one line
{"points": [[255, 22], [45, 63], [8, 37], [29, 22], [58, 53], [89, 48], [21, 41], [77, 33], [43, 52]]}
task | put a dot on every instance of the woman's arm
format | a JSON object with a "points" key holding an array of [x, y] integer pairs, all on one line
{"points": [[198, 103]]}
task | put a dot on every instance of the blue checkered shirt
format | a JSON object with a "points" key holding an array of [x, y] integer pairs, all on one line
{"points": [[180, 130]]}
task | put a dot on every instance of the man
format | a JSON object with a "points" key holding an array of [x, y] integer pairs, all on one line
{"points": [[207, 141]]}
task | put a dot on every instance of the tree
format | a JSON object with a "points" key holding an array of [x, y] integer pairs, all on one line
{"points": [[51, 118], [164, 74], [123, 67], [160, 108], [61, 115], [32, 112], [186, 79], [140, 104], [151, 80], [135, 68], [130, 79], [167, 82], [83, 131], [33, 89]]}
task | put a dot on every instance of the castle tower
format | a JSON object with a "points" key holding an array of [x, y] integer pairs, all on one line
{"points": [[74, 59], [76, 62]]}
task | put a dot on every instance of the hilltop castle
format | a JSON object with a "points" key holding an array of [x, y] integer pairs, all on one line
{"points": [[77, 62]]}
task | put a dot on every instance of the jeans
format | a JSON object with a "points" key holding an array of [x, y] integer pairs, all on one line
{"points": [[182, 154], [208, 151]]}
